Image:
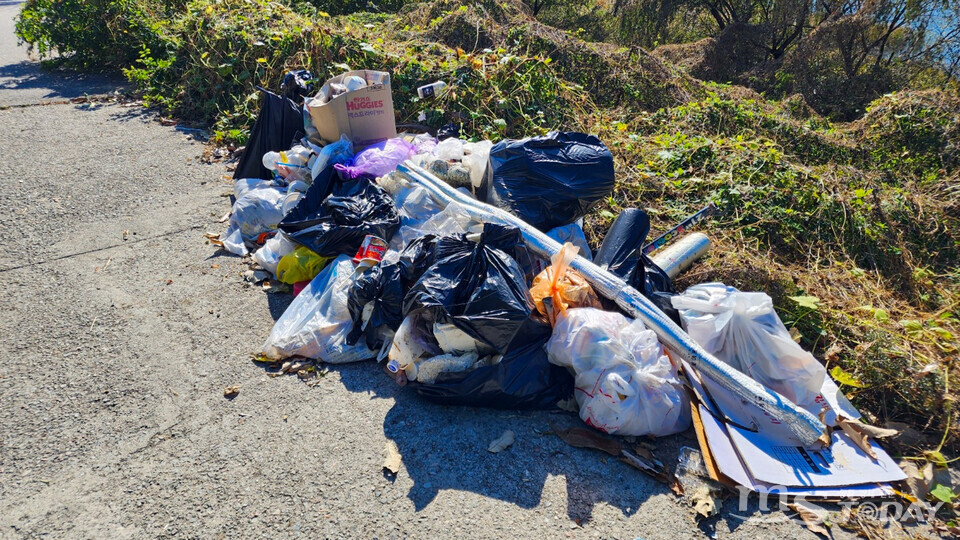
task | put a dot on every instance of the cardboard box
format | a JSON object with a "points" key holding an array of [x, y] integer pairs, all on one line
{"points": [[365, 115]]}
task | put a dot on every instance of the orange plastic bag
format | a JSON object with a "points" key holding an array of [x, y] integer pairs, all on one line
{"points": [[559, 288]]}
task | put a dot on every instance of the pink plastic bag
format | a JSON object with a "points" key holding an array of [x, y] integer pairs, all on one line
{"points": [[379, 159]]}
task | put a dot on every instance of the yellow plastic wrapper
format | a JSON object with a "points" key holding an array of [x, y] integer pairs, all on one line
{"points": [[559, 288], [301, 265]]}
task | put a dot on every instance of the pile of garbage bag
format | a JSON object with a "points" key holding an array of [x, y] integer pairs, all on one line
{"points": [[467, 307], [454, 307]]}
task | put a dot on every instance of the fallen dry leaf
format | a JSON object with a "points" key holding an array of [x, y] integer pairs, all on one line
{"points": [[833, 352], [945, 529], [676, 487], [860, 433], [825, 438], [916, 485], [812, 520], [654, 468], [873, 431], [295, 365], [391, 459], [272, 286], [795, 334], [644, 452], [569, 404], [933, 475], [705, 502], [213, 238], [586, 438], [231, 392], [502, 442], [908, 436]]}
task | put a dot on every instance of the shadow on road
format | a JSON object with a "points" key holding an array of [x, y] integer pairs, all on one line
{"points": [[28, 75], [277, 304], [444, 448]]}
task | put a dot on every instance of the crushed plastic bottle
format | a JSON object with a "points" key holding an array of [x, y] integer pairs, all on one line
{"points": [[290, 164], [428, 370]]}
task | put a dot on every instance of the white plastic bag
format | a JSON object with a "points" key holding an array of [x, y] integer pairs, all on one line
{"points": [[257, 211], [625, 383], [449, 149], [268, 257], [743, 330], [316, 323]]}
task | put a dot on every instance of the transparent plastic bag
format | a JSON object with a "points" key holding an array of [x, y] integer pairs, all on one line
{"points": [[242, 186], [625, 383], [743, 330], [428, 370], [268, 257], [475, 160], [449, 149], [415, 206], [316, 323], [335, 152], [424, 143], [258, 211], [291, 164], [573, 233]]}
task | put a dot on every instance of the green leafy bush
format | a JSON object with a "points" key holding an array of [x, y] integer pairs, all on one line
{"points": [[914, 135], [216, 53], [94, 34]]}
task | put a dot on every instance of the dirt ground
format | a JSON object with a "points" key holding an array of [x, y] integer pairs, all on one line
{"points": [[124, 326]]}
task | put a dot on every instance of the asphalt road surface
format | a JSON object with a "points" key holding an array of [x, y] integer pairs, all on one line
{"points": [[124, 326]]}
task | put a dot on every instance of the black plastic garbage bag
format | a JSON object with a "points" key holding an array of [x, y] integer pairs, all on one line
{"points": [[622, 254], [523, 379], [334, 216], [381, 285], [416, 258], [386, 285], [476, 286], [279, 124], [297, 84], [548, 181]]}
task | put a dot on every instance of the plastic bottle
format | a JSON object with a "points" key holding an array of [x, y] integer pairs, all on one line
{"points": [[431, 89], [428, 370], [270, 160]]}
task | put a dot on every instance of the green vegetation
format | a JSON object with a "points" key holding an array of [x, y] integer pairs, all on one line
{"points": [[853, 227]]}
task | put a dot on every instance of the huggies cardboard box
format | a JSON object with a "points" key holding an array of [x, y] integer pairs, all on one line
{"points": [[365, 115]]}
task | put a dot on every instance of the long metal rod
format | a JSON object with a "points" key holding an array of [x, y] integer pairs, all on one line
{"points": [[805, 426], [681, 228]]}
